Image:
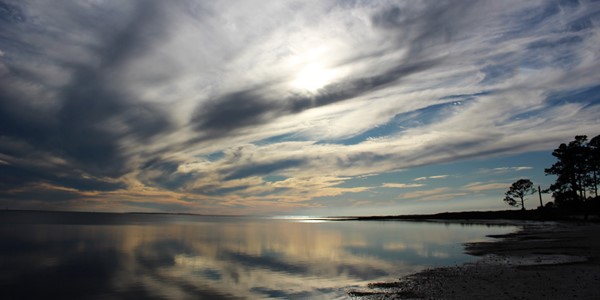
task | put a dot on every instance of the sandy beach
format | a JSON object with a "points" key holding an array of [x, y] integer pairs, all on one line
{"points": [[544, 260]]}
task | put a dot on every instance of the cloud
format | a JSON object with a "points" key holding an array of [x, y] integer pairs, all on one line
{"points": [[201, 101], [430, 177], [247, 108], [264, 169], [424, 193], [401, 185], [437, 194], [480, 187], [502, 169], [85, 119]]}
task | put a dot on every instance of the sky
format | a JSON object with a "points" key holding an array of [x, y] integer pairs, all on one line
{"points": [[289, 107]]}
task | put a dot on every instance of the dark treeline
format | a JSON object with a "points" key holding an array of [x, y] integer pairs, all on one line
{"points": [[576, 169], [577, 174]]}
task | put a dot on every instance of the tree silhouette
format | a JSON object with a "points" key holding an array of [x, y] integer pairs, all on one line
{"points": [[576, 170], [517, 191]]}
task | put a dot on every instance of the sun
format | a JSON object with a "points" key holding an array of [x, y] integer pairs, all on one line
{"points": [[312, 77]]}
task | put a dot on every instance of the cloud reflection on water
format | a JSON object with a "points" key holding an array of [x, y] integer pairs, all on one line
{"points": [[218, 258]]}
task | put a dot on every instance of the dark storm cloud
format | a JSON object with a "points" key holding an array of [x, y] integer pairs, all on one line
{"points": [[18, 119], [89, 101], [91, 117], [232, 111], [30, 136], [18, 176], [94, 145], [144, 28]]}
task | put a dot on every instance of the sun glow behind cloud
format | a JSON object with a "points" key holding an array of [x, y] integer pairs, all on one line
{"points": [[313, 77]]}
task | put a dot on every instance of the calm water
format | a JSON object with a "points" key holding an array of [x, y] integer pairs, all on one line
{"points": [[132, 256]]}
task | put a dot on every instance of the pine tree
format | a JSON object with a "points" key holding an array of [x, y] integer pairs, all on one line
{"points": [[518, 191], [576, 170]]}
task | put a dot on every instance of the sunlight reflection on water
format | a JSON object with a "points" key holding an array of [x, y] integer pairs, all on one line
{"points": [[67, 255]]}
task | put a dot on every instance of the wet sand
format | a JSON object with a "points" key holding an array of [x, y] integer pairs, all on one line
{"points": [[544, 260]]}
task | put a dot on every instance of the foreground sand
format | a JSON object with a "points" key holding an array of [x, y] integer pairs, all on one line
{"points": [[542, 261]]}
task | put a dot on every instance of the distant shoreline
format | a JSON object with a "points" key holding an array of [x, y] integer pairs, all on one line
{"points": [[523, 215]]}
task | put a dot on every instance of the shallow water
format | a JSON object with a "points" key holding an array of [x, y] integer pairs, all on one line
{"points": [[146, 256]]}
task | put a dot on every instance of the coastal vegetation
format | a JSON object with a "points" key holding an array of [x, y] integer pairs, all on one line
{"points": [[576, 169], [576, 187], [518, 191]]}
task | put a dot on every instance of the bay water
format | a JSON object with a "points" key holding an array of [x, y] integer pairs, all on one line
{"points": [[63, 255]]}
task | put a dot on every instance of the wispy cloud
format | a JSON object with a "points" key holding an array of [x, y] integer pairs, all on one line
{"points": [[480, 187], [401, 185], [425, 193], [500, 170], [206, 102], [437, 194], [430, 177], [511, 169]]}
